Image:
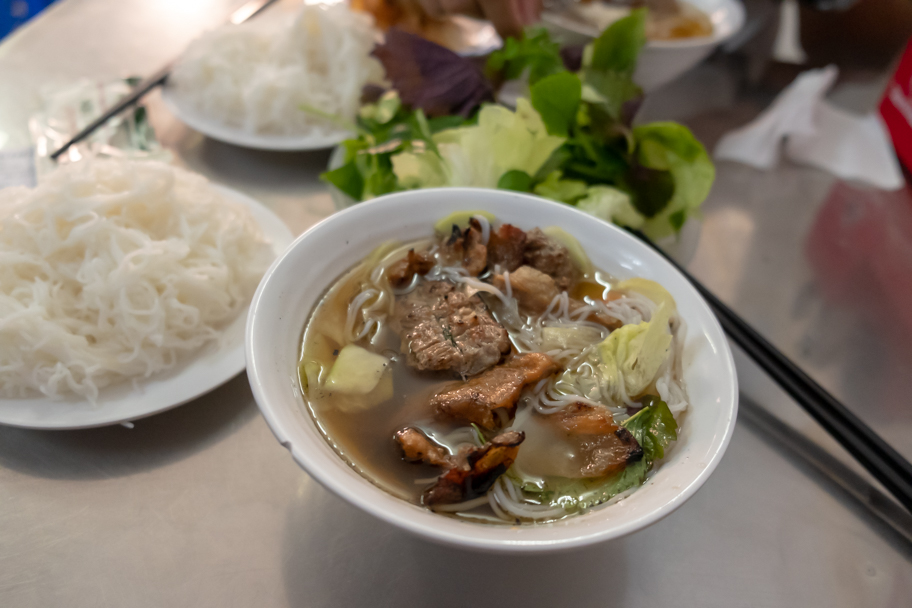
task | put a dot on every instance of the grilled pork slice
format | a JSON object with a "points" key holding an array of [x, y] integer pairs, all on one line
{"points": [[505, 247], [418, 447], [442, 328], [534, 291], [475, 470], [604, 447], [498, 388], [464, 247], [402, 272]]}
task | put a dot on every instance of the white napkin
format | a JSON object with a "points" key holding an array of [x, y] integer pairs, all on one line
{"points": [[818, 134]]}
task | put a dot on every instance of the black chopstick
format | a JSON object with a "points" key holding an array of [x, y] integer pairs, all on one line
{"points": [[866, 446], [247, 11], [138, 91]]}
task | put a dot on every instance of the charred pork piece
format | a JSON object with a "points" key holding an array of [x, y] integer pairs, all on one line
{"points": [[506, 247], [476, 471], [443, 329], [498, 388], [604, 446], [418, 447], [534, 291], [550, 257], [402, 272], [466, 249]]}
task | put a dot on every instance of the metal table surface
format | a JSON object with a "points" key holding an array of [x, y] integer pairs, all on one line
{"points": [[200, 506]]}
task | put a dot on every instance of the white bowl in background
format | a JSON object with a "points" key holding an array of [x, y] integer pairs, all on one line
{"points": [[296, 281], [662, 60]]}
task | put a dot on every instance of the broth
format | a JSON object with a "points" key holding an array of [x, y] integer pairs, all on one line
{"points": [[361, 429]]}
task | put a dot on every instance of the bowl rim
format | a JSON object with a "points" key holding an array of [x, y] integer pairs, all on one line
{"points": [[580, 535], [735, 10]]}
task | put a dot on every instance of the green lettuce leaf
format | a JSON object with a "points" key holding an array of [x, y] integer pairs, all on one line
{"points": [[480, 154], [558, 189], [636, 352], [654, 427], [668, 146], [611, 205]]}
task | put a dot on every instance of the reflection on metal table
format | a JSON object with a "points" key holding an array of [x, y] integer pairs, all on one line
{"points": [[201, 506]]}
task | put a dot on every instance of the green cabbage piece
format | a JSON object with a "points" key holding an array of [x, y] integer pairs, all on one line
{"points": [[654, 427], [478, 155], [636, 352], [611, 205]]}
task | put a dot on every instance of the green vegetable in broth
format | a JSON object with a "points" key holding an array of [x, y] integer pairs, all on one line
{"points": [[654, 427], [636, 352]]}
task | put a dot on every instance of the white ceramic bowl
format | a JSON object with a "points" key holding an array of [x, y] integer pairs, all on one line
{"points": [[296, 281], [663, 60]]}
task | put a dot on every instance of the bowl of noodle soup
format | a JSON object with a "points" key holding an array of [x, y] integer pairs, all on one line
{"points": [[300, 279]]}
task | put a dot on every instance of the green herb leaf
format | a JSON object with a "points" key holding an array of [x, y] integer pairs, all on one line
{"points": [[618, 47], [609, 90], [479, 434], [441, 123], [654, 427], [346, 178], [557, 98], [534, 51], [515, 180]]}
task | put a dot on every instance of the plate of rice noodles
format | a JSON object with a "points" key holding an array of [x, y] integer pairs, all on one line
{"points": [[278, 82], [124, 288]]}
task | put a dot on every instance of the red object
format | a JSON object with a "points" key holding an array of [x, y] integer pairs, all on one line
{"points": [[860, 248], [896, 108]]}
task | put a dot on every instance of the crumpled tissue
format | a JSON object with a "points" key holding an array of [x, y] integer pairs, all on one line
{"points": [[816, 133]]}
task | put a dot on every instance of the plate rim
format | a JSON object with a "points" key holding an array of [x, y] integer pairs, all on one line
{"points": [[236, 137]]}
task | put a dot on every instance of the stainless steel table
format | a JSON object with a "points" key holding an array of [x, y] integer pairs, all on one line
{"points": [[200, 506]]}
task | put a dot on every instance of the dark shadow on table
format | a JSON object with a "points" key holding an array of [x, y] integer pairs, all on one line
{"points": [[230, 164], [115, 451], [388, 566]]}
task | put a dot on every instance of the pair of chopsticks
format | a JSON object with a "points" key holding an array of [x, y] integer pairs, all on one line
{"points": [[245, 12], [866, 446]]}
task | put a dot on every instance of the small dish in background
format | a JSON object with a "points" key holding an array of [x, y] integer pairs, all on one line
{"points": [[662, 60]]}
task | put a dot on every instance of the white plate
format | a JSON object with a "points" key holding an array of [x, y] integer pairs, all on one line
{"points": [[208, 369], [232, 135]]}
